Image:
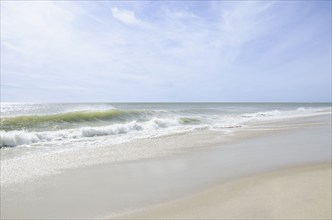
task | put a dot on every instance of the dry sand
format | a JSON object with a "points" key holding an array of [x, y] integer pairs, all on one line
{"points": [[298, 193]]}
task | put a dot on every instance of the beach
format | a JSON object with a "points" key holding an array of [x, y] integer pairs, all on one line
{"points": [[198, 109], [268, 169], [295, 193]]}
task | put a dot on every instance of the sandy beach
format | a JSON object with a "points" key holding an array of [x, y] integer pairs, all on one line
{"points": [[297, 193], [273, 169]]}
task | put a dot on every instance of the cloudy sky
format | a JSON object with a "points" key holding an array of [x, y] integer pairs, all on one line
{"points": [[232, 51]]}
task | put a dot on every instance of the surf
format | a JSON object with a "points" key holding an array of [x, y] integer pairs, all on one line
{"points": [[65, 119], [83, 126]]}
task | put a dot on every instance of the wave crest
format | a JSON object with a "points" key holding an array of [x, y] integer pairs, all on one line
{"points": [[14, 138], [41, 121]]}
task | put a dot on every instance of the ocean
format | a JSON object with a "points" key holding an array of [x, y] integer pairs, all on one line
{"points": [[67, 124]]}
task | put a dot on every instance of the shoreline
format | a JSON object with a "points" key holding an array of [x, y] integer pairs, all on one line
{"points": [[41, 166], [302, 192], [193, 163]]}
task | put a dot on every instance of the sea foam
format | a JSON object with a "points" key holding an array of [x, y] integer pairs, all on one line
{"points": [[14, 138]]}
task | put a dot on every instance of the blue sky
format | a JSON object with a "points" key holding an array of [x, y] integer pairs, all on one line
{"points": [[130, 51]]}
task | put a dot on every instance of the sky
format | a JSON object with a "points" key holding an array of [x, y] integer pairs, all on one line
{"points": [[166, 51]]}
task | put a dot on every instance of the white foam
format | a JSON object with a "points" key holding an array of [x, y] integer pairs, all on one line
{"points": [[14, 138], [110, 130], [157, 123], [262, 114], [301, 109]]}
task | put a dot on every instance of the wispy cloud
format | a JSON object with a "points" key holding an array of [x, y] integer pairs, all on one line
{"points": [[144, 51], [126, 16]]}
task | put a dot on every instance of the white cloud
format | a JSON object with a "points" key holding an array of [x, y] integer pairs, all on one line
{"points": [[126, 16]]}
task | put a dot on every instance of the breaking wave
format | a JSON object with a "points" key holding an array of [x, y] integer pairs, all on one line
{"points": [[65, 119], [14, 138]]}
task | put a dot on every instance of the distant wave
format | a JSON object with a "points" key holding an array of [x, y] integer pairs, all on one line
{"points": [[262, 114], [20, 109]]}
